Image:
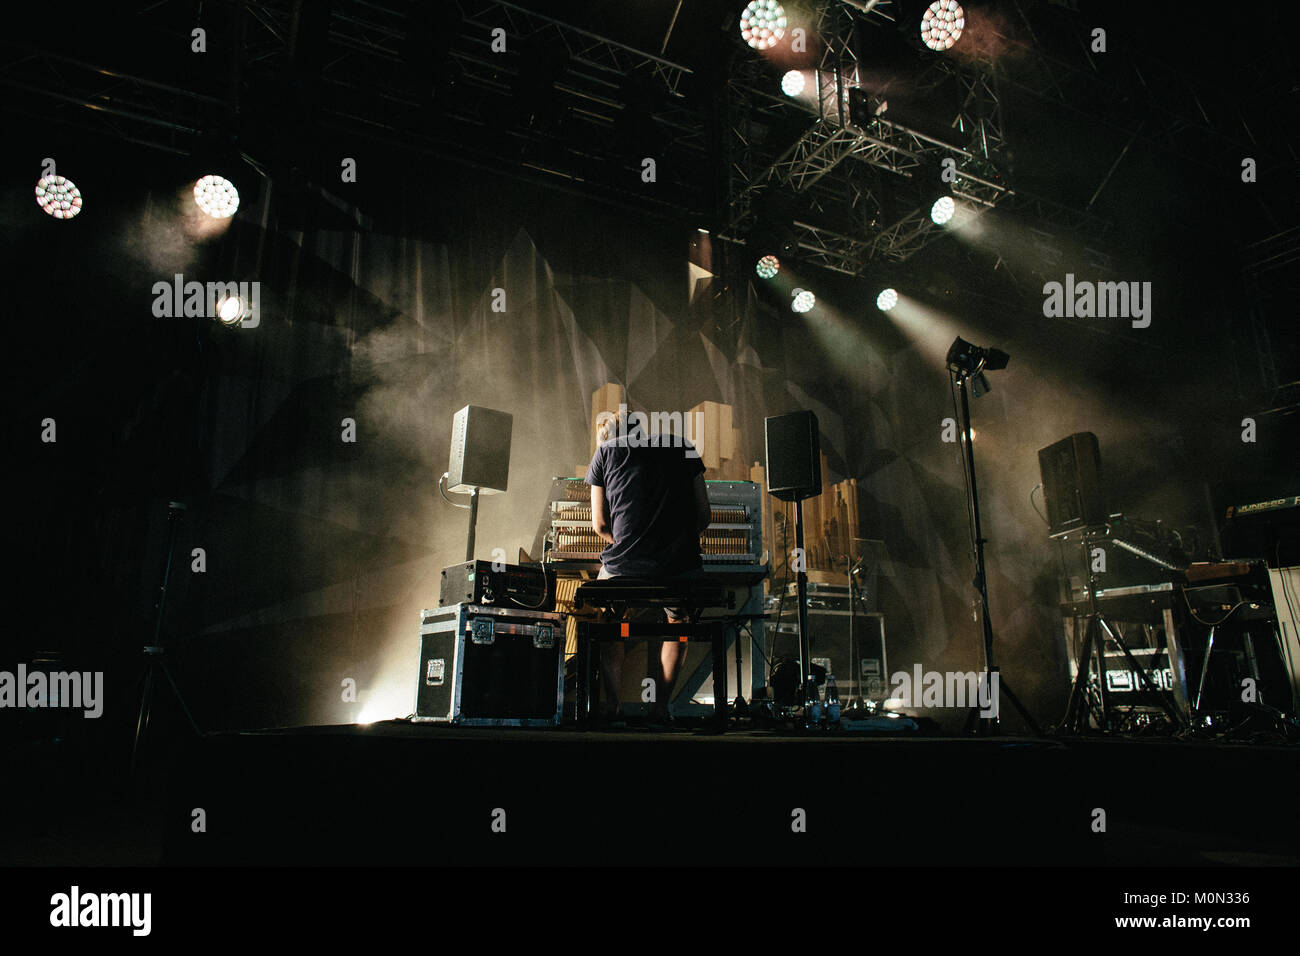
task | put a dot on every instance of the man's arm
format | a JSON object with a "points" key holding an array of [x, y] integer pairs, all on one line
{"points": [[600, 522], [703, 510]]}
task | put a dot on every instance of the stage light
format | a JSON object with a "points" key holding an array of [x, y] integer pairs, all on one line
{"points": [[232, 310], [887, 299], [216, 196], [767, 267], [59, 197], [942, 210], [964, 357], [763, 24], [803, 300], [942, 24], [792, 83]]}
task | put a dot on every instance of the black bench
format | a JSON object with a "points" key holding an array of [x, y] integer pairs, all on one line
{"points": [[619, 594]]}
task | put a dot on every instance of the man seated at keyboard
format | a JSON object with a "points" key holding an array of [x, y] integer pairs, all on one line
{"points": [[649, 502]]}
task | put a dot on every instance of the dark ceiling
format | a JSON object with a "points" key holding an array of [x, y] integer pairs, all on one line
{"points": [[585, 86], [1135, 151]]}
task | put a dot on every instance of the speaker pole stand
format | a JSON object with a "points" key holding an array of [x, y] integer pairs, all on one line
{"points": [[794, 473], [986, 725], [805, 645], [739, 707], [473, 522]]}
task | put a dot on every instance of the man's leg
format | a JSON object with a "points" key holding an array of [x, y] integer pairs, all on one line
{"points": [[672, 653], [611, 666], [611, 670]]}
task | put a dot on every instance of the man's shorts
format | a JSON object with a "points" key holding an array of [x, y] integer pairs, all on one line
{"points": [[652, 614]]}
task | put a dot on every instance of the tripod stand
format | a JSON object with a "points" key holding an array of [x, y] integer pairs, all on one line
{"points": [[987, 725], [155, 663]]}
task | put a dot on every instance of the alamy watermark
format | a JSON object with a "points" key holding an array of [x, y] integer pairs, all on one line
{"points": [[661, 429], [78, 909], [39, 689], [1102, 300], [957, 689], [210, 300]]}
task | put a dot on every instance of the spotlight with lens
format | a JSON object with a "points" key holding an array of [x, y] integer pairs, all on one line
{"points": [[767, 267], [942, 210], [59, 197], [972, 360], [792, 83], [887, 299], [803, 300], [942, 24], [232, 310], [216, 196], [763, 24]]}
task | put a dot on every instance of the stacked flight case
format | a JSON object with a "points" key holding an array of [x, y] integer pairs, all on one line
{"points": [[490, 666]]}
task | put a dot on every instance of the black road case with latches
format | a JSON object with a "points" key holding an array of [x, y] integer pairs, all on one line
{"points": [[490, 666]]}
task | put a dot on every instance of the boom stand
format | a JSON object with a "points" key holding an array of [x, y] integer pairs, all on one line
{"points": [[987, 725]]}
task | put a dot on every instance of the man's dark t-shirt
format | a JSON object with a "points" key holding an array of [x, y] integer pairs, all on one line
{"points": [[649, 483]]}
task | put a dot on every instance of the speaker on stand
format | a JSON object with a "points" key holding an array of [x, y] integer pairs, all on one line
{"points": [[794, 473], [480, 460], [1071, 472]]}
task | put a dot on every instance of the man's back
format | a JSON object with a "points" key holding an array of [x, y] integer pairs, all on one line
{"points": [[649, 486]]}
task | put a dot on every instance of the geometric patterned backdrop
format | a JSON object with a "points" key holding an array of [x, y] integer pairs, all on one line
{"points": [[320, 552]]}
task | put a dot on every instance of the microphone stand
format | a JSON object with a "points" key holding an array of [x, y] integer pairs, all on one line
{"points": [[859, 700]]}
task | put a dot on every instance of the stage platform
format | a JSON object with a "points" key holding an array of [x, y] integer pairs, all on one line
{"points": [[408, 794]]}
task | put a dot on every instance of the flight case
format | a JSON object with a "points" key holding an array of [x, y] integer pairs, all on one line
{"points": [[490, 666]]}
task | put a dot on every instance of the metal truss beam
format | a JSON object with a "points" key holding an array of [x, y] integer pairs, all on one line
{"points": [[979, 119], [128, 107], [831, 250], [596, 67], [583, 46]]}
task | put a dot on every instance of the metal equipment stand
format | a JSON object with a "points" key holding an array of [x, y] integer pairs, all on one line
{"points": [[986, 725], [1096, 631]]}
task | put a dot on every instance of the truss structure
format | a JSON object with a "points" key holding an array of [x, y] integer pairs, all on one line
{"points": [[728, 141], [849, 127]]}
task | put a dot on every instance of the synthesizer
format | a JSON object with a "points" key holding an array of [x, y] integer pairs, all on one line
{"points": [[734, 535], [1268, 530]]}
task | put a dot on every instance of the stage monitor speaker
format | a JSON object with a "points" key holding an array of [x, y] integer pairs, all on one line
{"points": [[794, 456], [480, 450], [1071, 472]]}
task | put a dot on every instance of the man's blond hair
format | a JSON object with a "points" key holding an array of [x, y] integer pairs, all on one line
{"points": [[610, 424]]}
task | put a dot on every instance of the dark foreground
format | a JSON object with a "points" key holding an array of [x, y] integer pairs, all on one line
{"points": [[396, 793]]}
